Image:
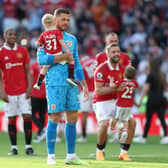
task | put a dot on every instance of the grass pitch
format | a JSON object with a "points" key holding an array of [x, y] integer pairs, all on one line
{"points": [[150, 155]]}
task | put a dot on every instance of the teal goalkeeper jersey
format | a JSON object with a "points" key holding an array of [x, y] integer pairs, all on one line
{"points": [[58, 73]]}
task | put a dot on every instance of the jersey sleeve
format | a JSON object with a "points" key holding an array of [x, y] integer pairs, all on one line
{"points": [[41, 39], [78, 68], [43, 58], [99, 76]]}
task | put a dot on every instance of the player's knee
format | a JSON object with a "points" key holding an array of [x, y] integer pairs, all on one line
{"points": [[104, 124], [72, 116], [55, 117], [132, 124]]}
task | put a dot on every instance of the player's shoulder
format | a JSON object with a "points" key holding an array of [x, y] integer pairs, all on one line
{"points": [[100, 54], [102, 66], [69, 35], [19, 47]]}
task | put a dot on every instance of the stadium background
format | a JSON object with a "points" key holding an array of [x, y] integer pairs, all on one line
{"points": [[142, 26]]}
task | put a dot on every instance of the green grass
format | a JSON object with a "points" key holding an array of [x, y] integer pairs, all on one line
{"points": [[150, 155]]}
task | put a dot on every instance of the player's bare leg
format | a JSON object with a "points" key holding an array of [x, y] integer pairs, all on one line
{"points": [[83, 137]]}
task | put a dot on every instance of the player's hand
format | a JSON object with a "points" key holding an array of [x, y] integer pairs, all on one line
{"points": [[69, 58], [121, 87], [86, 94], [4, 97], [28, 93]]}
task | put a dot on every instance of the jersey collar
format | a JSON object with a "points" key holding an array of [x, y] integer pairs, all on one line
{"points": [[9, 48], [111, 67]]}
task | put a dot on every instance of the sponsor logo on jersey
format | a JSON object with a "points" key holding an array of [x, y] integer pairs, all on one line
{"points": [[10, 65]]}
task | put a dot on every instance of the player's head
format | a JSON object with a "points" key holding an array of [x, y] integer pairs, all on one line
{"points": [[111, 38], [113, 53], [48, 21], [62, 18], [10, 36], [130, 72]]}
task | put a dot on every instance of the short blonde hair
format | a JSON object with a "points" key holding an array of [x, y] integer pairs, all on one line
{"points": [[48, 20]]}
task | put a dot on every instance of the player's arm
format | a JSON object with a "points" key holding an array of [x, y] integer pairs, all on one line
{"points": [[47, 59], [3, 95], [29, 80], [103, 90], [79, 74]]}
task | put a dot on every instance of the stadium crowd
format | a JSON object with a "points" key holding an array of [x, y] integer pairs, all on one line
{"points": [[142, 26]]}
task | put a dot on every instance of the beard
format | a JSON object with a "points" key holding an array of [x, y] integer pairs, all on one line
{"points": [[62, 28], [114, 60]]}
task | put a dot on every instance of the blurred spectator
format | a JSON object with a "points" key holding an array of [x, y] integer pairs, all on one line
{"points": [[142, 25], [154, 87]]}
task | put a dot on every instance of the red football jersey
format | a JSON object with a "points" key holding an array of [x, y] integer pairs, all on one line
{"points": [[102, 57], [35, 69], [103, 74], [125, 98], [89, 65], [12, 62], [50, 40]]}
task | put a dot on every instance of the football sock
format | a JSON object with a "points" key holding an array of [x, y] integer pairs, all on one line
{"points": [[71, 71], [125, 148], [40, 79], [28, 130], [70, 136], [100, 147], [51, 136], [12, 132]]}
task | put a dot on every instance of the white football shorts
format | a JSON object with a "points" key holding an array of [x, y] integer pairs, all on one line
{"points": [[105, 110], [123, 113], [17, 105], [86, 106]]}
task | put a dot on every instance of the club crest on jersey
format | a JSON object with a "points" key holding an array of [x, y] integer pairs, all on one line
{"points": [[53, 106], [19, 55], [99, 76], [69, 43]]}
